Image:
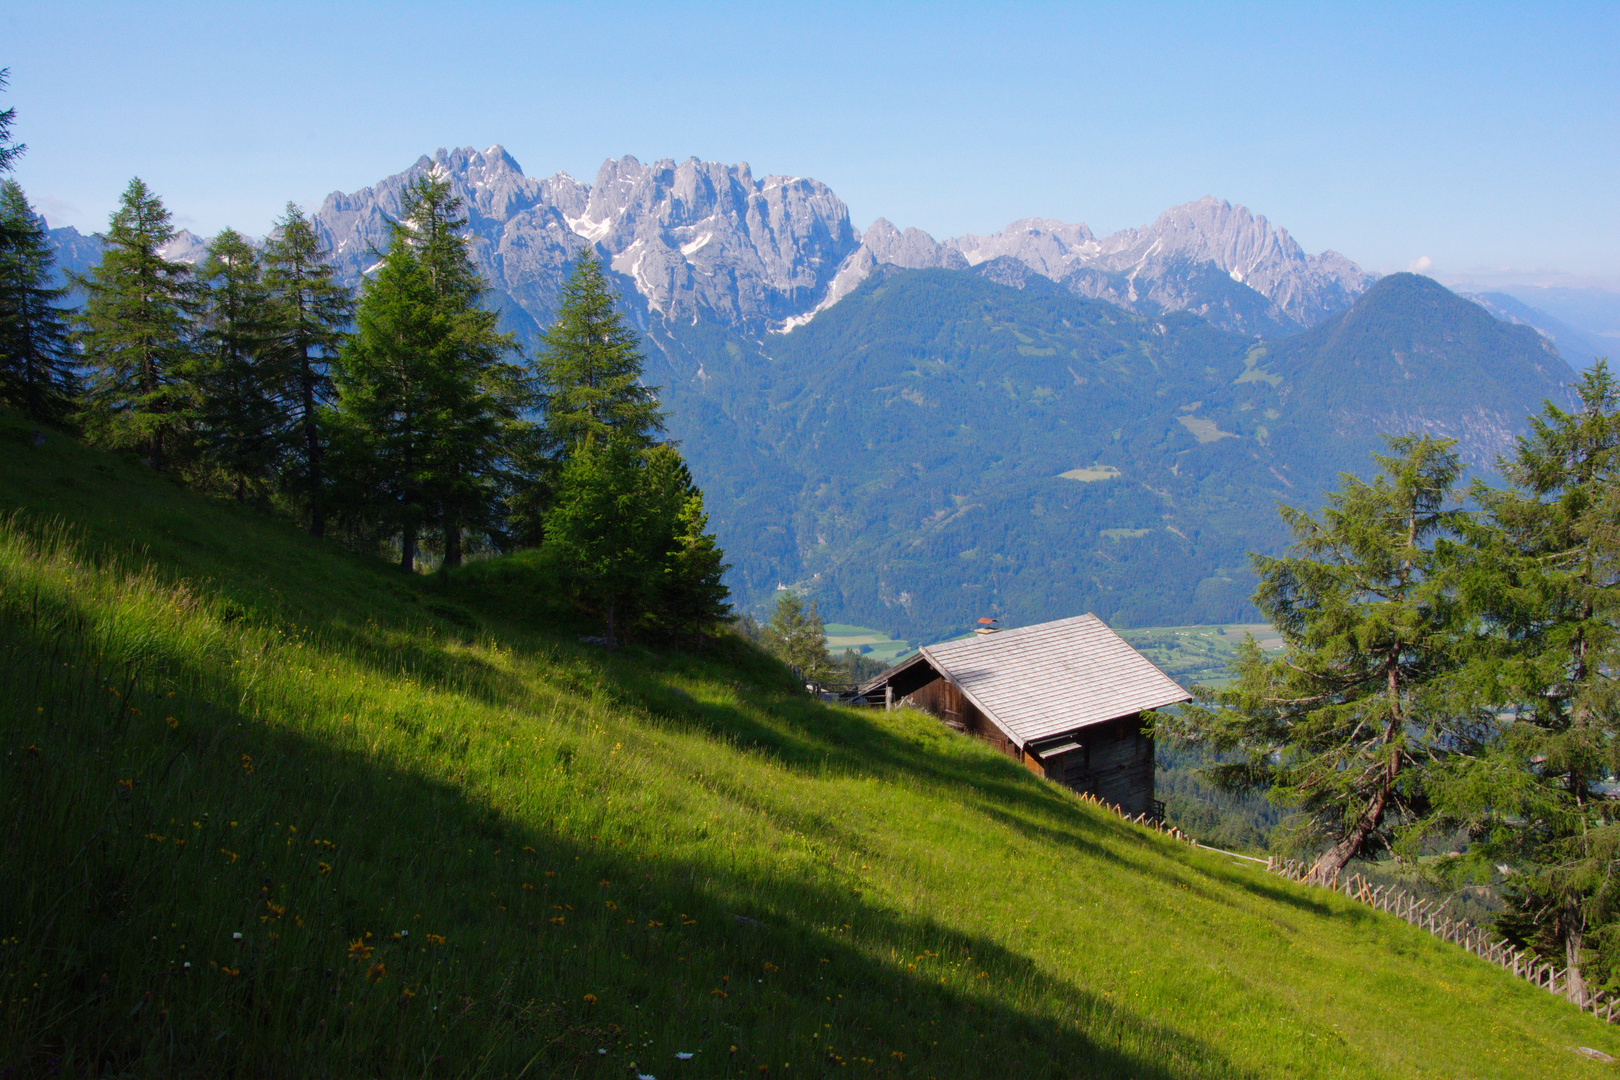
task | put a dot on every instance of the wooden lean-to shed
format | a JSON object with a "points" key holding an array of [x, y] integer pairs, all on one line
{"points": [[1066, 698]]}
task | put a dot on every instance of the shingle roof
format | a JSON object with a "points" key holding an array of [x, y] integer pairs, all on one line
{"points": [[1043, 680]]}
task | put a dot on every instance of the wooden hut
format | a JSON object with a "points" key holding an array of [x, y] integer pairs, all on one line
{"points": [[1066, 698]]}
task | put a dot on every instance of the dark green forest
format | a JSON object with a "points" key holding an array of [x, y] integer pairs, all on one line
{"points": [[900, 459]]}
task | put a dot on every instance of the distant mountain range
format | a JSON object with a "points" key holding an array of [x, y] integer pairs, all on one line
{"points": [[698, 239], [1026, 424]]}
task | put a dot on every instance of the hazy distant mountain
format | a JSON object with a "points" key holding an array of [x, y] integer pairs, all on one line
{"points": [[1207, 257], [698, 239], [1575, 346], [1411, 355]]}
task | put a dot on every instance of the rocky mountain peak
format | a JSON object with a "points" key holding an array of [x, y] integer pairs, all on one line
{"points": [[692, 236], [1210, 257]]}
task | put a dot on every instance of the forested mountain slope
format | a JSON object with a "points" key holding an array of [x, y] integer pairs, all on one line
{"points": [[941, 446], [276, 809]]}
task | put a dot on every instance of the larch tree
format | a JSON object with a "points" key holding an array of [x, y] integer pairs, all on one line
{"points": [[134, 332], [37, 362], [310, 312], [238, 412], [1543, 584], [1347, 724]]}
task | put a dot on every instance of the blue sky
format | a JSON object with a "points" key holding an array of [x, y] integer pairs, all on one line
{"points": [[1484, 138]]}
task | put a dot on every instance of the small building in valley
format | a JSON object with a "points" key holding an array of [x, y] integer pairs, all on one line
{"points": [[1066, 698]]}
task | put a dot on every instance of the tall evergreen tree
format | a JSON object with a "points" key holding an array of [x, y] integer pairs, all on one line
{"points": [[1544, 585], [310, 312], [795, 635], [427, 396], [135, 333], [480, 396], [1346, 725], [685, 595], [590, 366], [10, 151], [238, 414], [37, 363], [603, 529]]}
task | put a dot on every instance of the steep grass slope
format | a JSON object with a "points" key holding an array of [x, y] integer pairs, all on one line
{"points": [[271, 809]]}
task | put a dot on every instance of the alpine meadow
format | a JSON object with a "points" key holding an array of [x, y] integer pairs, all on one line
{"points": [[489, 627]]}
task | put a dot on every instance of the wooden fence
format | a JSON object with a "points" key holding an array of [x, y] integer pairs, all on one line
{"points": [[1430, 916], [1424, 914]]}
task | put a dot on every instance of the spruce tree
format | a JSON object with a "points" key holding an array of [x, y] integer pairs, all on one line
{"points": [[238, 414], [604, 529], [37, 363], [135, 334], [687, 595], [310, 312], [795, 635], [590, 366], [1348, 723], [480, 396], [428, 402], [9, 151]]}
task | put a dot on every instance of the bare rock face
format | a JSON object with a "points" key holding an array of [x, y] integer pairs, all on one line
{"points": [[698, 239], [1050, 248], [1208, 257], [695, 237], [1305, 289]]}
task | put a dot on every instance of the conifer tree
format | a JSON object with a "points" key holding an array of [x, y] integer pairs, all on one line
{"points": [[480, 395], [590, 366], [9, 151], [238, 414], [135, 334], [604, 527], [1544, 586], [36, 357], [795, 635], [1347, 725], [428, 401], [309, 314], [686, 594]]}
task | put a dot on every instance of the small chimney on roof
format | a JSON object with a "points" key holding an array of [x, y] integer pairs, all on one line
{"points": [[987, 626]]}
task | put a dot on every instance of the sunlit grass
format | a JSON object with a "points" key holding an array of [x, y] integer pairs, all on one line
{"points": [[396, 827]]}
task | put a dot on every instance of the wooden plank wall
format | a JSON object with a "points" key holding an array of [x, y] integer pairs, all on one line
{"points": [[1114, 762], [948, 703]]}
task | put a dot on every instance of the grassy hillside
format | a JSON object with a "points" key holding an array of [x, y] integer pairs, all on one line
{"points": [[275, 810]]}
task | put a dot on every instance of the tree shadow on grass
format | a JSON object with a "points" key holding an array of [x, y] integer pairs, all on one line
{"points": [[338, 915]]}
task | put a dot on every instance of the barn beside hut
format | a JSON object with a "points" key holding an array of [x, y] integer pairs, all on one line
{"points": [[1066, 698]]}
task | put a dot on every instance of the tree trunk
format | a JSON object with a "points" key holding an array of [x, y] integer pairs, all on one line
{"points": [[1335, 858], [312, 450], [452, 546], [1574, 984], [407, 549]]}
